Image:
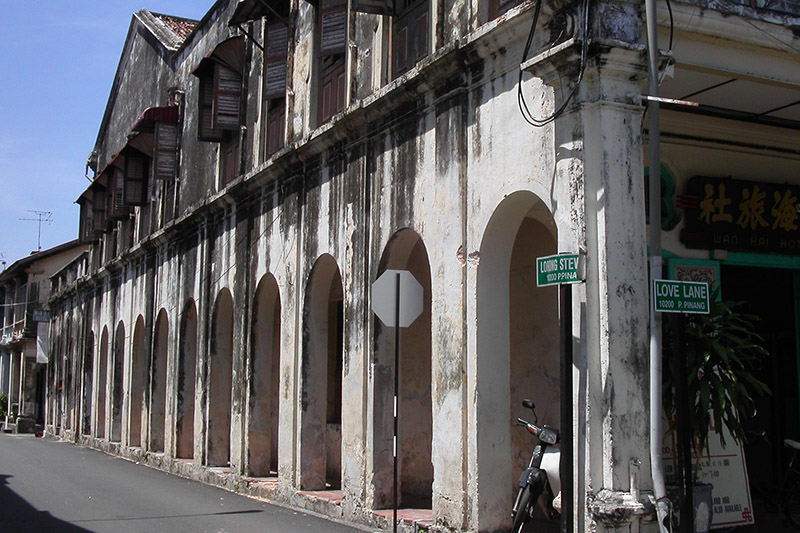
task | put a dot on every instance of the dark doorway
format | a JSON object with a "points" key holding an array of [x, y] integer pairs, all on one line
{"points": [[769, 294]]}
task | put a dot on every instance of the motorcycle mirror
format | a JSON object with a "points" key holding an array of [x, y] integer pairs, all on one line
{"points": [[527, 403]]}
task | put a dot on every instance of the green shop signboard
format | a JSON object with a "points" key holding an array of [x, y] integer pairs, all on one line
{"points": [[745, 216]]}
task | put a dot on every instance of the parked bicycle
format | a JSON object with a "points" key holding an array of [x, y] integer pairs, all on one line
{"points": [[790, 488], [540, 481]]}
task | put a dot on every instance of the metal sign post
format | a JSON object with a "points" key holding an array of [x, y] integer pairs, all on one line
{"points": [[682, 297], [397, 301], [564, 270]]}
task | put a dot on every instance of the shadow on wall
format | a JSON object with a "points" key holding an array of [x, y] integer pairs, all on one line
{"points": [[16, 514]]}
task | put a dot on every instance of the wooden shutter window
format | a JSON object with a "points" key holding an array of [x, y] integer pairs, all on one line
{"points": [[227, 97], [205, 120], [136, 182], [116, 194], [332, 86], [333, 27], [378, 7], [99, 210], [276, 119], [165, 151], [500, 7], [276, 53], [410, 29], [86, 230]]}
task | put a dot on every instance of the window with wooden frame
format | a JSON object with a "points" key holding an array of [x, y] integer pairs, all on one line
{"points": [[117, 209], [230, 160], [332, 53], [99, 210], [220, 91], [275, 56], [499, 7], [410, 29], [137, 182], [86, 228]]}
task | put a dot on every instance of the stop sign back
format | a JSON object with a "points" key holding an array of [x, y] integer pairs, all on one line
{"points": [[385, 294]]}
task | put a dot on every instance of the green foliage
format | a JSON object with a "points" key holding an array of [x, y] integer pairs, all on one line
{"points": [[722, 348], [3, 405]]}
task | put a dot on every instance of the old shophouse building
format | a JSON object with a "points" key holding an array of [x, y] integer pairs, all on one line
{"points": [[256, 171], [24, 334]]}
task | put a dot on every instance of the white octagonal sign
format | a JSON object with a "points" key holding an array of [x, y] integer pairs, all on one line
{"points": [[385, 293]]}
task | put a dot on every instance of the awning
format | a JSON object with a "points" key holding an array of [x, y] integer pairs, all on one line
{"points": [[147, 121], [248, 10], [230, 53]]}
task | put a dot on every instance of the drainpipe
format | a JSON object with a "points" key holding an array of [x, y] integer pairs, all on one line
{"points": [[663, 504]]}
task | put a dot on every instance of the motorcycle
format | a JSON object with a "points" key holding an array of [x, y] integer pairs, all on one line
{"points": [[539, 482]]}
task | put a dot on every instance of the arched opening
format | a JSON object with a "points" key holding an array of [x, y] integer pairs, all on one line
{"points": [[102, 381], [138, 382], [88, 380], [221, 374], [518, 348], [116, 395], [321, 405], [405, 251], [262, 448], [158, 404], [187, 363]]}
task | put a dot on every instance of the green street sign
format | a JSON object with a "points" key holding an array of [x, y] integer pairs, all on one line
{"points": [[681, 296], [558, 269]]}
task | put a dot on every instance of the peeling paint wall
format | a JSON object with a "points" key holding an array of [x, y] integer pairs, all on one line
{"points": [[252, 310]]}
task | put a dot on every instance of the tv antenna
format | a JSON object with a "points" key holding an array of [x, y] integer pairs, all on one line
{"points": [[41, 216]]}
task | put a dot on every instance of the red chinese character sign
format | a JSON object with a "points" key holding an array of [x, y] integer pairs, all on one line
{"points": [[748, 216]]}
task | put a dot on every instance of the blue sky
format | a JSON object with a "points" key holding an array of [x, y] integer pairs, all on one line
{"points": [[57, 63]]}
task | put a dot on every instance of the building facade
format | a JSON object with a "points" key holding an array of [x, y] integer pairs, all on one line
{"points": [[24, 334], [258, 170]]}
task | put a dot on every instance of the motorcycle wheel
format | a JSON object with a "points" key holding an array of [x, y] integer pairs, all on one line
{"points": [[523, 513], [791, 507]]}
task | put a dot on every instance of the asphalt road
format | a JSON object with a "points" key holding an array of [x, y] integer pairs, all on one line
{"points": [[48, 485]]}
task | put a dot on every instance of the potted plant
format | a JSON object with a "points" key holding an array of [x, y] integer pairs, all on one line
{"points": [[721, 348]]}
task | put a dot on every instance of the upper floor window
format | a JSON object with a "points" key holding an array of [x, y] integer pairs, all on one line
{"points": [[409, 35], [410, 29], [275, 56], [332, 53], [499, 7], [220, 91]]}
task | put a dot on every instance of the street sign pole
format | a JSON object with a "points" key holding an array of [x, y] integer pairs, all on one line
{"points": [[565, 467], [564, 270], [397, 300], [682, 297], [684, 436], [396, 394]]}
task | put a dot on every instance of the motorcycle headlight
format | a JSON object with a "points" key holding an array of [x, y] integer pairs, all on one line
{"points": [[548, 436]]}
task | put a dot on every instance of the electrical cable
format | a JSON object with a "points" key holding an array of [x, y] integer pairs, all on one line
{"points": [[523, 106]]}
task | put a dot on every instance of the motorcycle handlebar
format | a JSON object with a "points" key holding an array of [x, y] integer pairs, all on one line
{"points": [[549, 435]]}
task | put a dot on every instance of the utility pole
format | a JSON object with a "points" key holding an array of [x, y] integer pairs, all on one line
{"points": [[41, 216]]}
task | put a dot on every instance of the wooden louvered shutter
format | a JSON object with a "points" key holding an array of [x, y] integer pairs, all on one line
{"points": [[116, 194], [333, 27], [205, 121], [499, 7], [119, 193], [410, 42], [165, 151], [378, 7], [227, 98], [276, 118], [136, 183], [275, 67], [99, 210], [86, 230]]}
